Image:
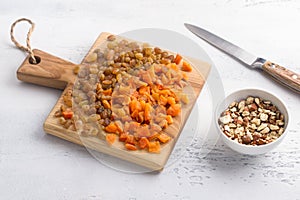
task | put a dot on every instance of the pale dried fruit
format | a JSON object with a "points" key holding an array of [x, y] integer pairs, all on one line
{"points": [[111, 38], [91, 57]]}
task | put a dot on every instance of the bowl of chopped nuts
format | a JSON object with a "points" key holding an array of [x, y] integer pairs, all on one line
{"points": [[252, 121]]}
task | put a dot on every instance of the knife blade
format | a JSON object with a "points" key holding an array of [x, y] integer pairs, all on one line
{"points": [[279, 73]]}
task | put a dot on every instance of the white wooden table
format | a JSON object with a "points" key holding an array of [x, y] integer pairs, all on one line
{"points": [[34, 165]]}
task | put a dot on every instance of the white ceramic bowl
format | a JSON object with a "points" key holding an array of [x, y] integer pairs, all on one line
{"points": [[243, 94]]}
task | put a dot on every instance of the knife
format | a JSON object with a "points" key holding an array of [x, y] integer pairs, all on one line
{"points": [[279, 73]]}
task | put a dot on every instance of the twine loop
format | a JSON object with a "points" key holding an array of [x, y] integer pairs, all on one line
{"points": [[28, 47]]}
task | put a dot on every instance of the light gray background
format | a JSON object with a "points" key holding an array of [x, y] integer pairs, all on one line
{"points": [[34, 165]]}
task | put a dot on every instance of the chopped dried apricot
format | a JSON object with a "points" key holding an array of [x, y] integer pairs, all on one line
{"points": [[67, 114], [177, 59], [130, 147], [186, 67], [154, 147], [163, 138], [130, 139], [135, 114], [174, 110], [110, 138], [135, 105], [144, 90], [153, 136], [155, 96], [171, 100], [141, 117], [143, 103], [111, 128], [147, 112], [143, 143], [169, 119], [185, 76], [123, 137], [173, 66], [163, 100]]}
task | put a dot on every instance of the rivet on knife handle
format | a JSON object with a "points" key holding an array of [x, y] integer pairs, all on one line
{"points": [[283, 75]]}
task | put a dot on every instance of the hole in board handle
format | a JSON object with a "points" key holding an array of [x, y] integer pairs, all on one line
{"points": [[37, 59]]}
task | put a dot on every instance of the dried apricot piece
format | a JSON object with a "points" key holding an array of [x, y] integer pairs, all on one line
{"points": [[143, 143], [163, 138], [130, 147], [174, 110], [123, 137], [110, 138], [154, 147], [186, 67], [163, 100], [135, 114], [153, 136], [177, 59], [173, 66], [171, 100], [67, 114], [185, 76], [111, 128], [135, 105], [130, 139], [147, 113], [169, 119], [144, 90]]}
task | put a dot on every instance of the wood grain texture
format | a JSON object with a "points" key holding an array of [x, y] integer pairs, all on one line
{"points": [[52, 71], [57, 73], [283, 75]]}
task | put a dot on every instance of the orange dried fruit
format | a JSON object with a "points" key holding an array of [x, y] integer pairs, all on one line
{"points": [[163, 138], [111, 128], [130, 147], [110, 138], [174, 110], [130, 139], [177, 59], [186, 67], [154, 147], [143, 143], [123, 137], [67, 114]]}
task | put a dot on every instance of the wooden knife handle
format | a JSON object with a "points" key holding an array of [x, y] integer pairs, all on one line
{"points": [[283, 75], [50, 71]]}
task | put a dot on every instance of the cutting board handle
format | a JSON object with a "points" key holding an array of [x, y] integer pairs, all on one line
{"points": [[50, 71]]}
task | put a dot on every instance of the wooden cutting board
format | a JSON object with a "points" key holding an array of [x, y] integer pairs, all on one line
{"points": [[57, 73]]}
